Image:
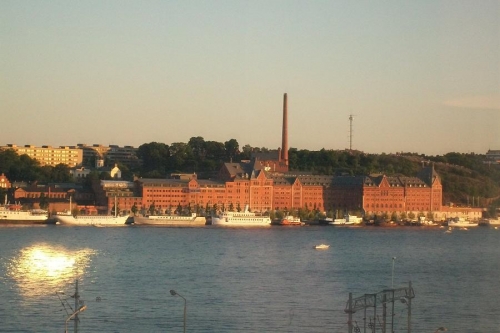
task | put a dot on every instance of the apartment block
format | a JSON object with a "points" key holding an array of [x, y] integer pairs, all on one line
{"points": [[48, 155]]}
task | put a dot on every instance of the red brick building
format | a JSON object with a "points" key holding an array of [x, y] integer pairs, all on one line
{"points": [[242, 184]]}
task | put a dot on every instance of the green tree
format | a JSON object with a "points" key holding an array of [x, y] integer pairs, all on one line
{"points": [[152, 209], [134, 209], [44, 201]]}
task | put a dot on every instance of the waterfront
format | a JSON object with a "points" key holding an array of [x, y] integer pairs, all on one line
{"points": [[245, 280]]}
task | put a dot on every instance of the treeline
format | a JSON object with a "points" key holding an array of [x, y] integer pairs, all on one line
{"points": [[465, 177], [23, 168]]}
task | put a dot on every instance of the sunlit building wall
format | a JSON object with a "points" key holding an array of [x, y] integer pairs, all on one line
{"points": [[48, 155]]}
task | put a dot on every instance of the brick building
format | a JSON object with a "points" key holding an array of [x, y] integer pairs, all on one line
{"points": [[247, 183]]}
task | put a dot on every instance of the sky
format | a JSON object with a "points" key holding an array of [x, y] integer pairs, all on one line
{"points": [[417, 76]]}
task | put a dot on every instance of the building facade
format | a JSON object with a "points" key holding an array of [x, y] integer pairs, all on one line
{"points": [[48, 155], [247, 184], [98, 155]]}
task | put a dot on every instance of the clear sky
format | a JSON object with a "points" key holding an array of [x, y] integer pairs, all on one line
{"points": [[418, 76]]}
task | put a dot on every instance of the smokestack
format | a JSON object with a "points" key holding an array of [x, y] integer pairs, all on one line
{"points": [[284, 139]]}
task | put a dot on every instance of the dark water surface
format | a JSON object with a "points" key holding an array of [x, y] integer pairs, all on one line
{"points": [[244, 280]]}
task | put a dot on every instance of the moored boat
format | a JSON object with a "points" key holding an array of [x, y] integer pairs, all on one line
{"points": [[290, 220], [170, 220], [349, 220], [494, 222], [13, 215], [92, 220], [240, 219], [461, 223], [67, 218]]}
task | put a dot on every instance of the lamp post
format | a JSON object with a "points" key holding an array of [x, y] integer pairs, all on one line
{"points": [[392, 276], [83, 308], [174, 293]]}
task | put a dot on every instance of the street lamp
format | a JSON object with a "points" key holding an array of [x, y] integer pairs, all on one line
{"points": [[392, 276], [81, 309], [174, 293]]}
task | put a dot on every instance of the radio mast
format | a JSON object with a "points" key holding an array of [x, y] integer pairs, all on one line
{"points": [[351, 117]]}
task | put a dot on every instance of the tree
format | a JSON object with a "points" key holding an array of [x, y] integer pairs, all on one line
{"points": [[44, 202], [134, 209], [152, 209], [155, 157], [232, 149]]}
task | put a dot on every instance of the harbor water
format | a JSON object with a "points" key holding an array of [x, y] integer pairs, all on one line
{"points": [[245, 280]]}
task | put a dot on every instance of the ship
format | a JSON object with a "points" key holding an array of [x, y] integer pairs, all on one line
{"points": [[349, 220], [13, 215], [290, 220], [92, 220], [240, 219], [462, 223], [171, 220], [494, 222]]}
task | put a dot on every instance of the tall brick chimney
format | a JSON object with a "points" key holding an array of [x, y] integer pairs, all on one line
{"points": [[284, 139]]}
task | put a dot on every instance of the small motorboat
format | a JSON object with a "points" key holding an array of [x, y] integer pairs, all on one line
{"points": [[321, 247]]}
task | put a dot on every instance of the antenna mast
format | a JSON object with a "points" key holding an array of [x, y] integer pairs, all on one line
{"points": [[350, 131]]}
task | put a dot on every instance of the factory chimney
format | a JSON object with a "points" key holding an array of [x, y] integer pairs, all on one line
{"points": [[284, 139]]}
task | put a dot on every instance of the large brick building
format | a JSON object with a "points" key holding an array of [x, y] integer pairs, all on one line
{"points": [[247, 183]]}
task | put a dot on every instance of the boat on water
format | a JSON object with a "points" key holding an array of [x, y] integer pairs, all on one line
{"points": [[14, 215], [494, 222], [92, 220], [290, 220], [348, 220], [240, 219], [462, 223], [171, 220], [321, 246]]}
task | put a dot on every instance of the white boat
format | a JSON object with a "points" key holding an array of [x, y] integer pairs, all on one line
{"points": [[240, 219], [349, 220], [92, 220], [171, 220], [494, 221], [321, 247], [12, 215], [462, 223]]}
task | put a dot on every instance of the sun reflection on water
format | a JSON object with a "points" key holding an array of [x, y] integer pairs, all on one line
{"points": [[40, 269]]}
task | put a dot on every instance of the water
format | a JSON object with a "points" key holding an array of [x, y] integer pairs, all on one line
{"points": [[244, 280]]}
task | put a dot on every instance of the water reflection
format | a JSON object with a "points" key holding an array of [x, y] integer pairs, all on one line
{"points": [[40, 269]]}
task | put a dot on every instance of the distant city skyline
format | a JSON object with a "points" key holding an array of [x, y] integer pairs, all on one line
{"points": [[420, 77]]}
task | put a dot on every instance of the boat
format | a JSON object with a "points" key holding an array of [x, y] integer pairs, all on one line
{"points": [[461, 222], [171, 220], [349, 220], [14, 215], [290, 220], [321, 247], [240, 219], [494, 221], [92, 220]]}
